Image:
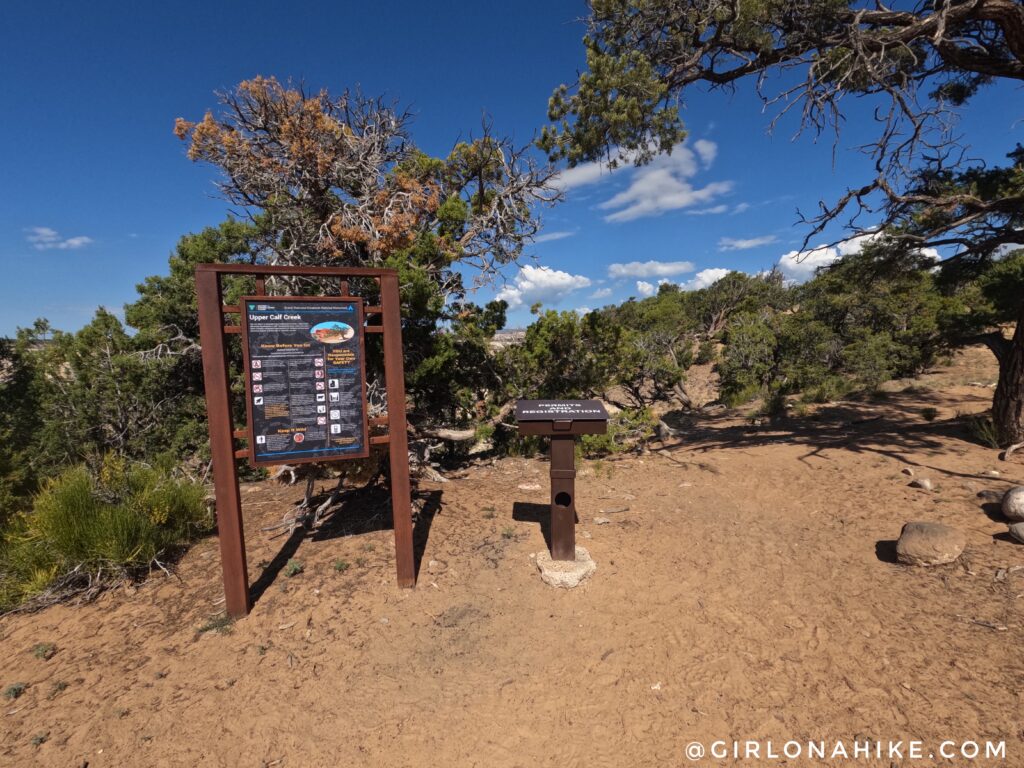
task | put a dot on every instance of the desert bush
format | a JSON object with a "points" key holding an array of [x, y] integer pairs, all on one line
{"points": [[89, 529], [982, 429], [625, 429]]}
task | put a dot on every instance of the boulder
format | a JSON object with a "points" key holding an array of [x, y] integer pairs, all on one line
{"points": [[929, 544], [1013, 504], [923, 483], [1017, 531]]}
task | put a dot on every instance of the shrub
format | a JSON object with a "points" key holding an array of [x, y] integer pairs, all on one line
{"points": [[626, 428], [981, 428], [929, 414], [707, 352], [87, 530]]}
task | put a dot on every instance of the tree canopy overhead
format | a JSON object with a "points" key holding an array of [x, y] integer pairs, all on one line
{"points": [[337, 180], [922, 59], [916, 63]]}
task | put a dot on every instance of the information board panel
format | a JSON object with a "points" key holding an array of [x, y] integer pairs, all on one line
{"points": [[305, 378]]}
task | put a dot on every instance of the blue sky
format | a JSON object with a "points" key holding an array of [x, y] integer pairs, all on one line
{"points": [[95, 190]]}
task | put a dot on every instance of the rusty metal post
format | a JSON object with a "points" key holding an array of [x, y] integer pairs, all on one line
{"points": [[222, 451], [398, 443], [563, 495]]}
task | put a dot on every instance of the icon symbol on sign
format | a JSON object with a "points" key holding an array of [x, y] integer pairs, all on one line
{"points": [[261, 439], [319, 385], [321, 409], [335, 397], [335, 414], [318, 362], [318, 374], [257, 376], [257, 388], [321, 420], [298, 437], [335, 429], [332, 383], [257, 401], [257, 363], [319, 398]]}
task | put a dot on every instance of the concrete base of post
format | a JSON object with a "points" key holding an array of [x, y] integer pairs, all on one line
{"points": [[565, 573]]}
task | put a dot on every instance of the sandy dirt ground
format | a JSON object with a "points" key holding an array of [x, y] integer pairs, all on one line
{"points": [[746, 589]]}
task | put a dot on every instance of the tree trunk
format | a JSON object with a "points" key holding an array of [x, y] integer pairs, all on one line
{"points": [[1008, 401]]}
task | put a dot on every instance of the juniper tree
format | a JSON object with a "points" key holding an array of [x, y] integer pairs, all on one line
{"points": [[915, 63]]}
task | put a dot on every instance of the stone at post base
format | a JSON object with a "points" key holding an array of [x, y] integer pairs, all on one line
{"points": [[565, 573]]}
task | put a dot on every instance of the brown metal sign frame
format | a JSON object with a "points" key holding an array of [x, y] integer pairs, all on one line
{"points": [[358, 302], [212, 332]]}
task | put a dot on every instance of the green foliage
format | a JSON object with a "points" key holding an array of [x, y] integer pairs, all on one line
{"points": [[982, 429], [869, 317], [706, 352], [626, 428], [748, 358], [341, 565], [113, 524], [15, 690], [44, 651], [294, 567], [221, 624]]}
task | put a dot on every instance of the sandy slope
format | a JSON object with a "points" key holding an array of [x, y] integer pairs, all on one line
{"points": [[746, 593]]}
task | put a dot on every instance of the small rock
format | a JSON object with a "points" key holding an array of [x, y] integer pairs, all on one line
{"points": [[923, 483], [385, 620], [1017, 531], [929, 544], [583, 534], [990, 495], [565, 573], [601, 521], [529, 487], [614, 510], [991, 473], [908, 471], [437, 566], [1013, 504]]}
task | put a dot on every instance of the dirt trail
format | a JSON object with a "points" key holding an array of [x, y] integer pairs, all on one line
{"points": [[746, 593]]}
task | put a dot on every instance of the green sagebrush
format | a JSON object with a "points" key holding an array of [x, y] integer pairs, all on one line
{"points": [[86, 529]]}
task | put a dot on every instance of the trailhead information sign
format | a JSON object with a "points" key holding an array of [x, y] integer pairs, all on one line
{"points": [[306, 378]]}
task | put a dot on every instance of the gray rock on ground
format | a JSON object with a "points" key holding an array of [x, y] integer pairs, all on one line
{"points": [[565, 573], [1017, 531], [924, 483], [929, 544], [1013, 504]]}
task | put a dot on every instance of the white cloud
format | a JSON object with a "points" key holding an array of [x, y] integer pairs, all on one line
{"points": [[583, 311], [650, 269], [741, 244], [707, 150], [799, 266], [644, 288], [660, 186], [549, 236], [705, 278], [44, 239], [601, 293], [542, 284], [705, 211], [585, 174], [740, 208]]}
